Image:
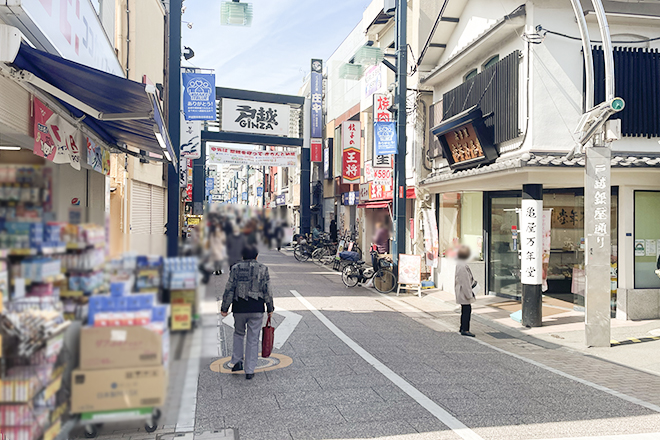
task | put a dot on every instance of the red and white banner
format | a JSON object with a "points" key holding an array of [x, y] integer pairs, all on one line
{"points": [[317, 150], [351, 151], [381, 114], [54, 138], [253, 157]]}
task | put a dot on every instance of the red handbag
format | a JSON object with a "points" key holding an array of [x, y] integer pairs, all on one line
{"points": [[267, 339]]}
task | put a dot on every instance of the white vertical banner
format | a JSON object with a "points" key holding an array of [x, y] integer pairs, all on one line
{"points": [[531, 229], [191, 139], [183, 173]]}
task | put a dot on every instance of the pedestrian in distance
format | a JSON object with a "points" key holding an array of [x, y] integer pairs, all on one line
{"points": [[235, 244], [248, 292], [333, 230], [464, 285], [217, 248]]}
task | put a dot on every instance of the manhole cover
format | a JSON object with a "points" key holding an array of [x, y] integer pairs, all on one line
{"points": [[274, 362], [501, 335]]}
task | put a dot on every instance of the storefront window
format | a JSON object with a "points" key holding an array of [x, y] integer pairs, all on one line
{"points": [[647, 239], [461, 222], [504, 263]]}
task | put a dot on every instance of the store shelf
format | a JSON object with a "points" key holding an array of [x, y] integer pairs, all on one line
{"points": [[52, 250], [83, 246], [47, 280]]}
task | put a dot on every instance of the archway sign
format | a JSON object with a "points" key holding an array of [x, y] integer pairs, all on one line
{"points": [[257, 118]]}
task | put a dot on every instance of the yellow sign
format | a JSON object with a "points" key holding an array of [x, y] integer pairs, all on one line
{"points": [[181, 317], [192, 221]]}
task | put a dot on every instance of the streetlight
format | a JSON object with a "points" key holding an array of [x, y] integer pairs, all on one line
{"points": [[234, 13]]}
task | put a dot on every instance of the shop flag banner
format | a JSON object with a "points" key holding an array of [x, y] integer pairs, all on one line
{"points": [[385, 138], [531, 218], [316, 150], [430, 238], [199, 96], [351, 151], [547, 242], [368, 171], [253, 157], [382, 102], [260, 191], [191, 139], [183, 173], [54, 138], [255, 117], [327, 158], [316, 84], [97, 157]]}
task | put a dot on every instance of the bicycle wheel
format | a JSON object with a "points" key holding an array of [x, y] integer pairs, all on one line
{"points": [[301, 252], [350, 275], [318, 254], [384, 280]]}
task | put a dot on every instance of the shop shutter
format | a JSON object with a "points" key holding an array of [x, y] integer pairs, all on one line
{"points": [[157, 210], [15, 107], [140, 208]]}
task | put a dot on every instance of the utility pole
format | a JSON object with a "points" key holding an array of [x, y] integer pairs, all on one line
{"points": [[174, 125], [399, 244]]}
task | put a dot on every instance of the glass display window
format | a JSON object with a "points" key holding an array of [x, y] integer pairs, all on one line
{"points": [[647, 239]]}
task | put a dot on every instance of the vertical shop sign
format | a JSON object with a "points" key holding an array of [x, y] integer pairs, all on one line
{"points": [[385, 138], [199, 96], [316, 84], [351, 152], [368, 171], [94, 155], [191, 139], [316, 150], [327, 156], [382, 103], [547, 242], [183, 173], [532, 234]]}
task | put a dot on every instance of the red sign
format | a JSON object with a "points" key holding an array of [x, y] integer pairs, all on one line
{"points": [[351, 152], [317, 150], [44, 144]]}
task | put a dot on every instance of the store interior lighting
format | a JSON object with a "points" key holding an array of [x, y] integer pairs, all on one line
{"points": [[9, 148], [235, 13], [167, 155], [159, 138]]}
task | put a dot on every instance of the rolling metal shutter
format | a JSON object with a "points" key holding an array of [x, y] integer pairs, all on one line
{"points": [[157, 210], [140, 208]]}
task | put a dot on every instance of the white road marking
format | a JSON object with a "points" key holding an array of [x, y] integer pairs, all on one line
{"points": [[282, 331], [436, 410], [625, 397], [187, 410], [653, 436]]}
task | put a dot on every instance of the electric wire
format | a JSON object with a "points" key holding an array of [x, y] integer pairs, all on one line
{"points": [[540, 28]]}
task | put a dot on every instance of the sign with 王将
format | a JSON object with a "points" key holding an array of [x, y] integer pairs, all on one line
{"points": [[351, 152]]}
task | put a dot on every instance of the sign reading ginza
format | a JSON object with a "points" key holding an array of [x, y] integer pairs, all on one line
{"points": [[381, 114], [255, 117]]}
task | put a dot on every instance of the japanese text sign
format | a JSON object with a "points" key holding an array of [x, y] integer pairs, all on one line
{"points": [[316, 84], [253, 157], [382, 176], [385, 138], [255, 117], [316, 150], [191, 139], [54, 138], [351, 152], [199, 96], [531, 229], [382, 103], [327, 155]]}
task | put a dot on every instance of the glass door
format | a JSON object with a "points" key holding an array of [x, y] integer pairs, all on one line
{"points": [[504, 244]]}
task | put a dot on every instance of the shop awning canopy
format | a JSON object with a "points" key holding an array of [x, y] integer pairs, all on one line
{"points": [[374, 205], [122, 112]]}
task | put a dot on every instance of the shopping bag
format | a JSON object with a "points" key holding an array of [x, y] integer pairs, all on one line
{"points": [[267, 339]]}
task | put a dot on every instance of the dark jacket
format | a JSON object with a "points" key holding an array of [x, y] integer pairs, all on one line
{"points": [[248, 289], [235, 245]]}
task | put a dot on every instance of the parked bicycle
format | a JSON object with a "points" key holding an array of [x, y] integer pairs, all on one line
{"points": [[384, 279]]}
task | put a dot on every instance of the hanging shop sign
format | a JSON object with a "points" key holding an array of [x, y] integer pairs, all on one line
{"points": [[372, 80], [327, 162], [54, 138], [351, 151], [98, 158], [210, 183], [350, 198], [465, 140], [260, 191], [368, 171], [382, 176], [199, 96], [253, 157], [191, 139], [316, 154], [380, 192], [385, 138], [316, 84], [280, 200], [255, 117], [382, 103], [183, 173], [430, 238], [69, 29], [531, 224], [244, 195], [364, 192]]}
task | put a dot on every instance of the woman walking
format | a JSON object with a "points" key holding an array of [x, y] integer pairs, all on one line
{"points": [[217, 249], [248, 292], [464, 284]]}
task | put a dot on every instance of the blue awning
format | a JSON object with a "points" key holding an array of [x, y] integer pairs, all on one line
{"points": [[121, 111]]}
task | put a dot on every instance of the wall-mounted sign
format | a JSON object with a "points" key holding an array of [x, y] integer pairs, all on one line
{"points": [[327, 155], [260, 191], [253, 157], [350, 131], [244, 195], [368, 171], [65, 28], [382, 103], [255, 117], [465, 140], [280, 200], [199, 96], [183, 173], [372, 80], [350, 198], [385, 138], [382, 176], [316, 85], [191, 139], [364, 192], [316, 153]]}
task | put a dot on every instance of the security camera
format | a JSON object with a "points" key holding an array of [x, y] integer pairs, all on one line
{"points": [[391, 87]]}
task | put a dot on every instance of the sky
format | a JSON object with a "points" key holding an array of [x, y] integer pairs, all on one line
{"points": [[273, 55]]}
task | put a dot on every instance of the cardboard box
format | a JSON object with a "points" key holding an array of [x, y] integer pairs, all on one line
{"points": [[117, 389], [119, 347]]}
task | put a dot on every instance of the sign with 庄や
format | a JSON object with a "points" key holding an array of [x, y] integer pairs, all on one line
{"points": [[255, 117]]}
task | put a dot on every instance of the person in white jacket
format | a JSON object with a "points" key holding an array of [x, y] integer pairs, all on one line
{"points": [[464, 284]]}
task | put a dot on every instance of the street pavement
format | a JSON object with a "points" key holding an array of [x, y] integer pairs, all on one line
{"points": [[365, 365]]}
